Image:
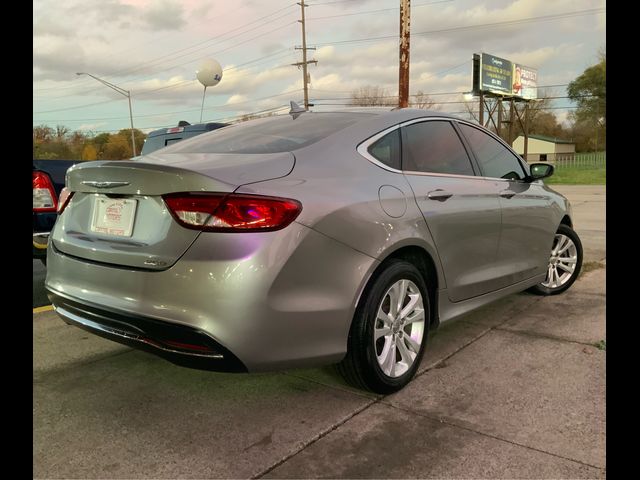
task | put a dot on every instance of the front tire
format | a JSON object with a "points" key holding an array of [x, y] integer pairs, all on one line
{"points": [[389, 330], [564, 265]]}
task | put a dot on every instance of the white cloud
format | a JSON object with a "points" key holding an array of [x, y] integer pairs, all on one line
{"points": [[144, 45]]}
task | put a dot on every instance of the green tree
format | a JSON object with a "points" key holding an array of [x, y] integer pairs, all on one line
{"points": [[589, 91], [117, 148], [89, 152]]}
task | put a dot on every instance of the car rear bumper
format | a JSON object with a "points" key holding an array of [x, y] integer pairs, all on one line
{"points": [[182, 345], [271, 300]]}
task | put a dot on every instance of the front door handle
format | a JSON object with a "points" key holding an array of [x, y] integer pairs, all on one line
{"points": [[507, 193], [439, 194]]}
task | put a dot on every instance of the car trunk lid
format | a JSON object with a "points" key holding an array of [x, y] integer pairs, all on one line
{"points": [[117, 215]]}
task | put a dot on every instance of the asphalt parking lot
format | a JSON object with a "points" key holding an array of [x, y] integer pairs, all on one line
{"points": [[514, 390]]}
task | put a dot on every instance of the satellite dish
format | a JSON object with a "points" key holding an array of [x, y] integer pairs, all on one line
{"points": [[210, 73]]}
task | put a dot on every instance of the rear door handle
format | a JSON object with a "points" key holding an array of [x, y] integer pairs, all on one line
{"points": [[507, 193], [439, 194]]}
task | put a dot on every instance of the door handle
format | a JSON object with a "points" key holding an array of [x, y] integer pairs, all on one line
{"points": [[439, 194], [507, 193]]}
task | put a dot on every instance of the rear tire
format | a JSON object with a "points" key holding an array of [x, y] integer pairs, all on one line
{"points": [[564, 265], [389, 331]]}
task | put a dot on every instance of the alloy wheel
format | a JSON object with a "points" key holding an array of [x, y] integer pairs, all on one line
{"points": [[562, 262], [399, 328]]}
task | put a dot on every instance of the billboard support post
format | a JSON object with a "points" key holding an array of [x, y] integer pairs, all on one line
{"points": [[511, 119], [481, 113], [499, 127], [526, 131]]}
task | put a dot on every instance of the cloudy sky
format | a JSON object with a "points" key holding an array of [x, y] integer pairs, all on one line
{"points": [[154, 47]]}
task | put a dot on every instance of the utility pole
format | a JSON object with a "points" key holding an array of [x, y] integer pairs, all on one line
{"points": [[405, 28], [304, 62]]}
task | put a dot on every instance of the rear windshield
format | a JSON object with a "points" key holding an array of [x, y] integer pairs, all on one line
{"points": [[270, 135]]}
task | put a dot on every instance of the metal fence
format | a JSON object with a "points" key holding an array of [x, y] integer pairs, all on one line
{"points": [[581, 160]]}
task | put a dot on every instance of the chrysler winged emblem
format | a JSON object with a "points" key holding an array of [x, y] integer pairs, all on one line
{"points": [[96, 184]]}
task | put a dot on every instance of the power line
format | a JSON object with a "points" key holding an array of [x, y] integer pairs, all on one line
{"points": [[228, 48], [226, 119], [176, 111], [190, 61], [197, 50], [330, 3], [191, 46], [541, 18], [376, 11], [436, 93], [152, 91]]}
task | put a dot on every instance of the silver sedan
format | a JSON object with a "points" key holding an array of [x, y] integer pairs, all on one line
{"points": [[307, 239]]}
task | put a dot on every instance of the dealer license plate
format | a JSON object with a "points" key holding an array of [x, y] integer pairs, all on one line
{"points": [[113, 216]]}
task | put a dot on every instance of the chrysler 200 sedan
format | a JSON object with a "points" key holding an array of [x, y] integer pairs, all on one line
{"points": [[307, 239]]}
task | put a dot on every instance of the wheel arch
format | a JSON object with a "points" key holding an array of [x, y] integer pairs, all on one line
{"points": [[424, 261], [566, 220]]}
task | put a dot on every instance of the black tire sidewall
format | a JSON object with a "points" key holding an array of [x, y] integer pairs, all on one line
{"points": [[374, 377]]}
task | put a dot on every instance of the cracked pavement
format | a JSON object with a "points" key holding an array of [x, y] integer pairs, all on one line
{"points": [[513, 390]]}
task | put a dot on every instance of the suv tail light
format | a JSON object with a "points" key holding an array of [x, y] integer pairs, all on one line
{"points": [[44, 195], [222, 212]]}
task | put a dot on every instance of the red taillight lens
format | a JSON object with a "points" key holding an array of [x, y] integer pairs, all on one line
{"points": [[44, 195], [219, 212], [63, 201]]}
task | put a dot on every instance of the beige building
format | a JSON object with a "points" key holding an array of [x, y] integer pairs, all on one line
{"points": [[545, 149]]}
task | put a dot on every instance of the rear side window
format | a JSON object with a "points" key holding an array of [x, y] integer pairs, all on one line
{"points": [[434, 147], [387, 149], [282, 133], [494, 158]]}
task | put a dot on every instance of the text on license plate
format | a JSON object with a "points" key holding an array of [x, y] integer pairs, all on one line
{"points": [[113, 216]]}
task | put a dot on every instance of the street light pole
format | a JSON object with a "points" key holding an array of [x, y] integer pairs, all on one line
{"points": [[121, 91]]}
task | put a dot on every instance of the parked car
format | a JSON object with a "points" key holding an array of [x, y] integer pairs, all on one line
{"points": [[48, 182], [308, 239], [166, 136]]}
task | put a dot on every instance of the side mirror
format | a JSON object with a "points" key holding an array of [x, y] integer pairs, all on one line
{"points": [[540, 170]]}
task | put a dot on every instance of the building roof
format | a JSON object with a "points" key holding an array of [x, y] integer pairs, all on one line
{"points": [[549, 139]]}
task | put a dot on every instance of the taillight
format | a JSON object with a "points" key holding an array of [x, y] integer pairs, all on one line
{"points": [[63, 201], [44, 195], [221, 212]]}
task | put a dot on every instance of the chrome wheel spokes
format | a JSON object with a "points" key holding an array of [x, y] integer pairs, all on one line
{"points": [[562, 262], [399, 328]]}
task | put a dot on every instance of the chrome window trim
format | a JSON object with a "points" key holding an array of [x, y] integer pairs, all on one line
{"points": [[363, 149]]}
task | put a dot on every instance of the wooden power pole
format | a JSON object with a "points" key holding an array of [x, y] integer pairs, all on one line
{"points": [[405, 28], [304, 62]]}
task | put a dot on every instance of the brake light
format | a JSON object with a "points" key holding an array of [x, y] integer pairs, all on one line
{"points": [[220, 212], [175, 130], [63, 201], [44, 195]]}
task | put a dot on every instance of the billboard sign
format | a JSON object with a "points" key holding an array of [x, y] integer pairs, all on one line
{"points": [[525, 82], [496, 75]]}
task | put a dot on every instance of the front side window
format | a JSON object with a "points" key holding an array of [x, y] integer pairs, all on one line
{"points": [[494, 158], [434, 147], [387, 149]]}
